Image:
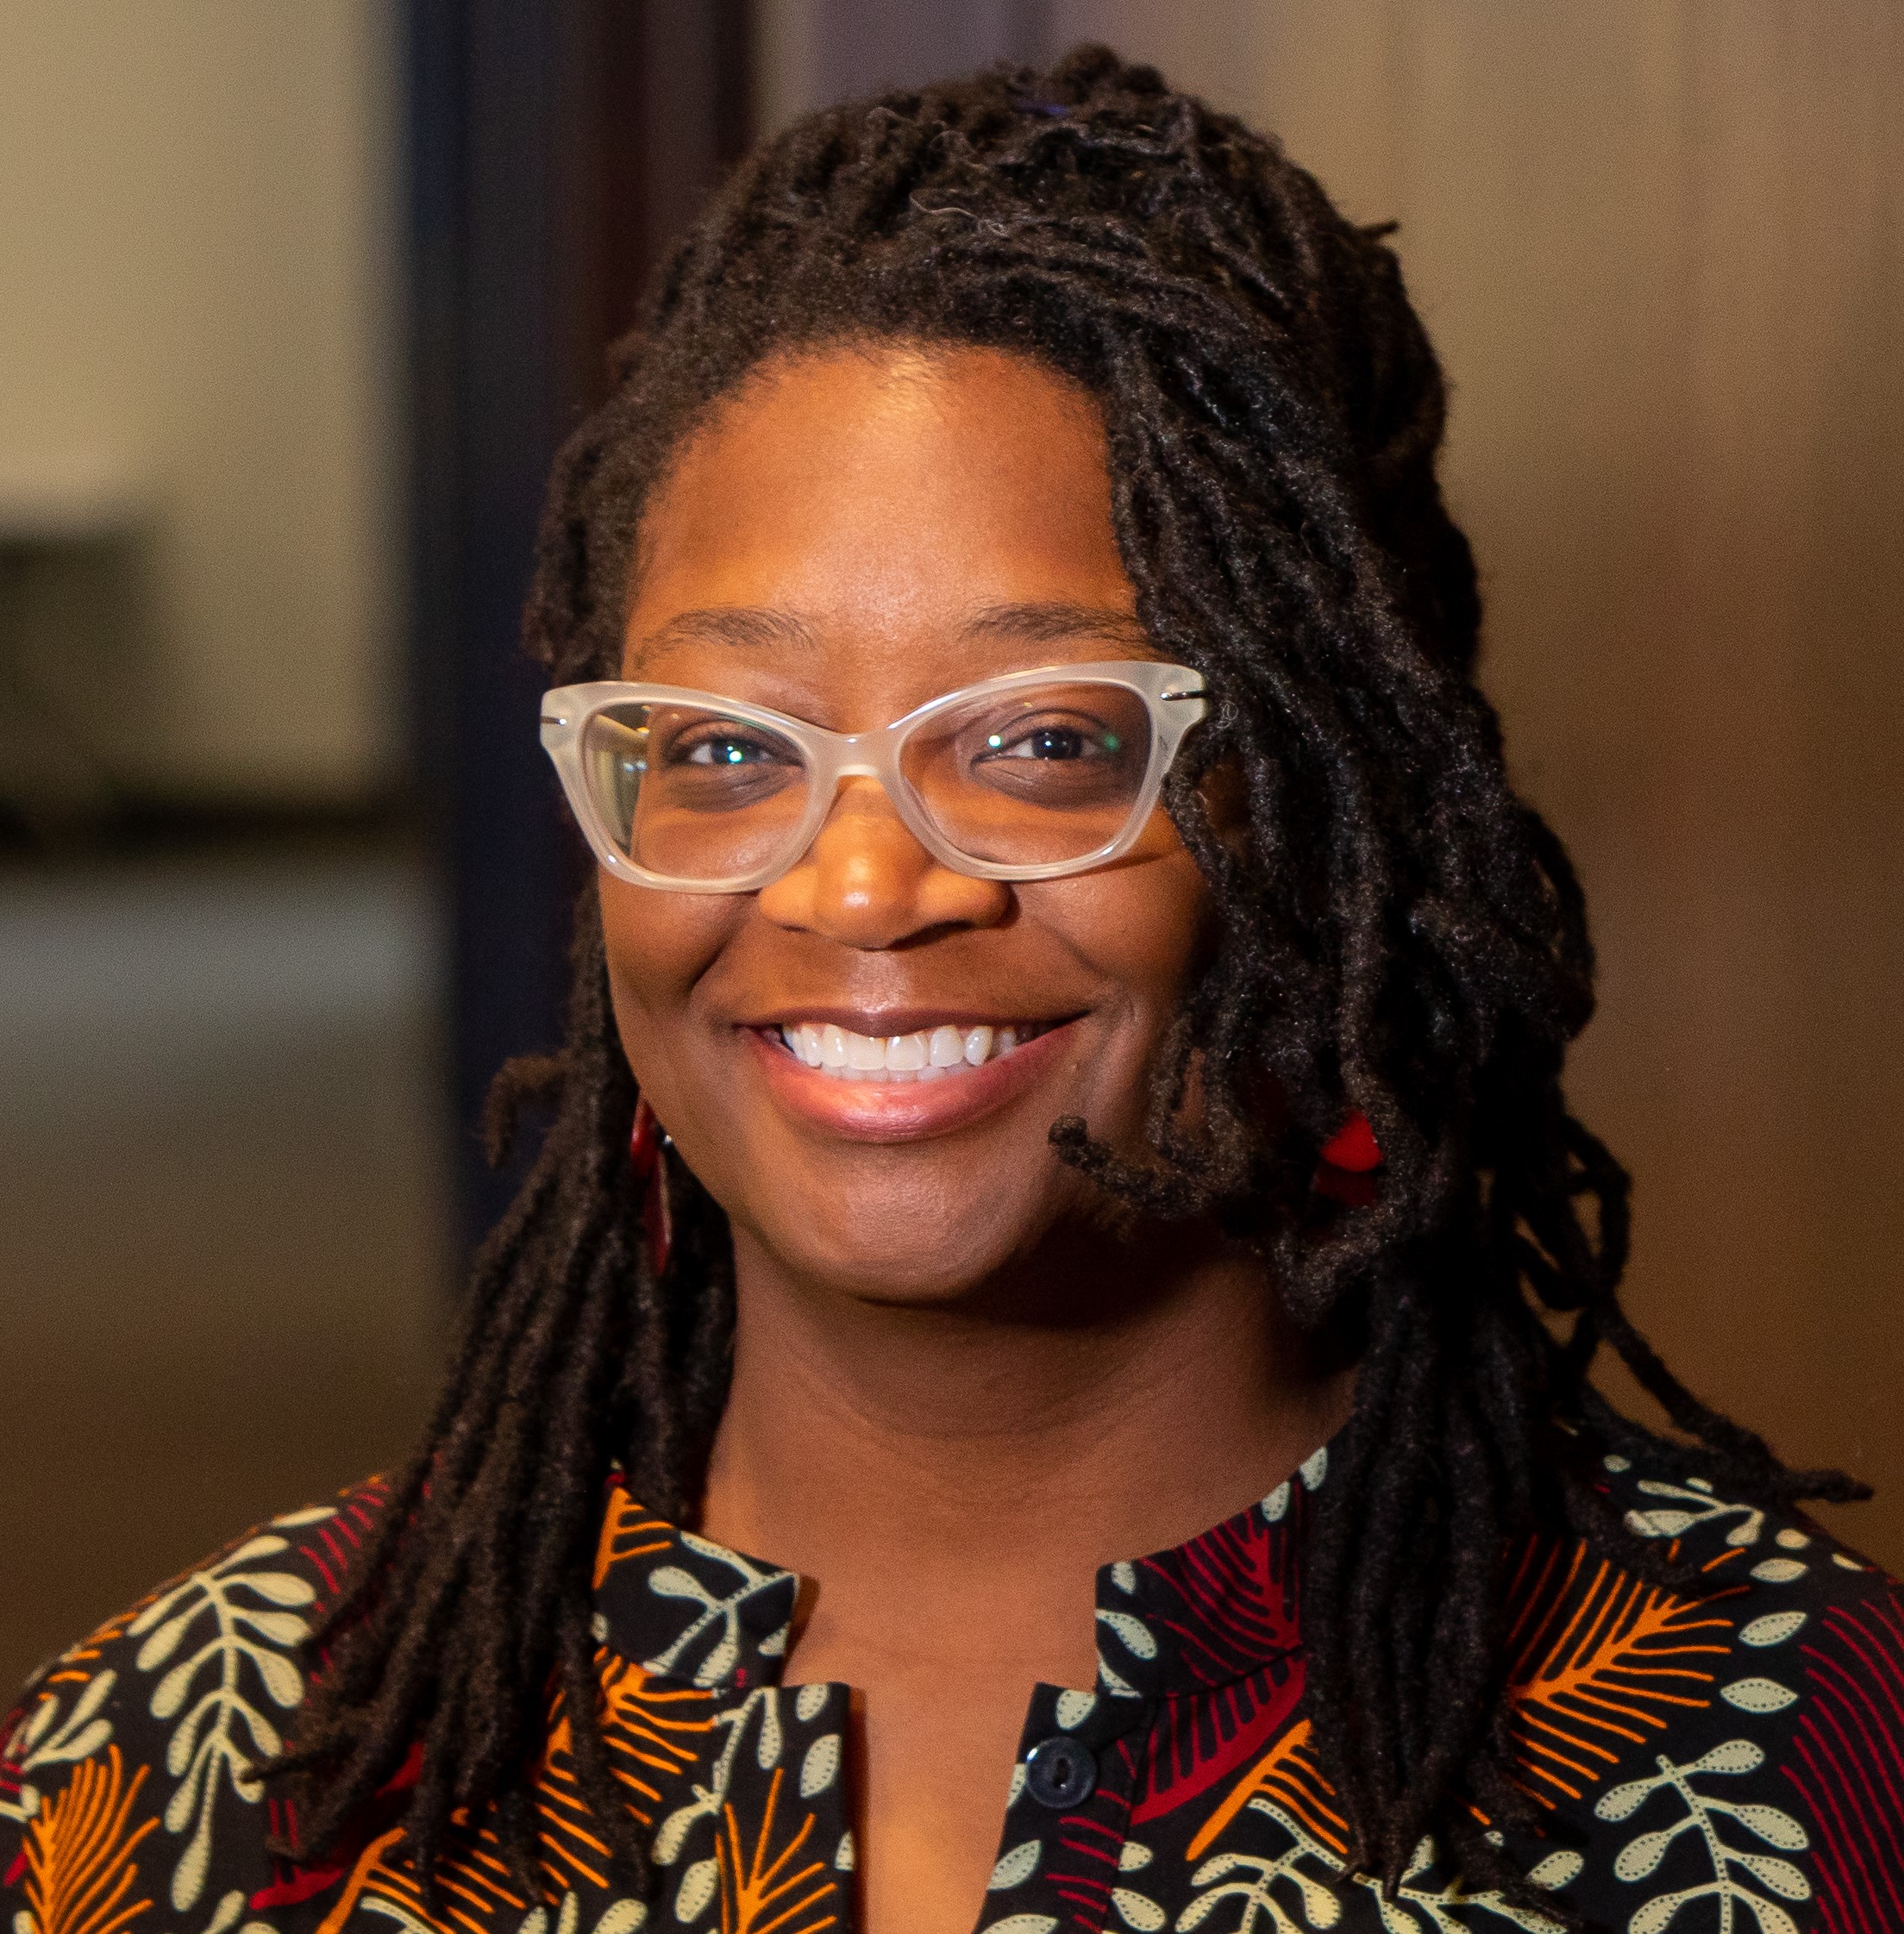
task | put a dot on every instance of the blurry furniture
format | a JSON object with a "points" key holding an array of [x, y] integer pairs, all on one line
{"points": [[68, 531]]}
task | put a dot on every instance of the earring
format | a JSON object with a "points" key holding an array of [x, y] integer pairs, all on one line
{"points": [[1352, 1146], [1350, 1157], [646, 1144]]}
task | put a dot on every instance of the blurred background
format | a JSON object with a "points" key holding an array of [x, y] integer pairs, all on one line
{"points": [[296, 304]]}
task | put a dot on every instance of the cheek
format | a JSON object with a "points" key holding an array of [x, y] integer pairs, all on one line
{"points": [[659, 946], [1145, 929], [1170, 937]]}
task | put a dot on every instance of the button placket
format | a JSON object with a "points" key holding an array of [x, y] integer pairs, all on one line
{"points": [[1067, 1810]]}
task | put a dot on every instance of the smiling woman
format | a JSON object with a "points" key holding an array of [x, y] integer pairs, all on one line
{"points": [[954, 590], [1065, 1062]]}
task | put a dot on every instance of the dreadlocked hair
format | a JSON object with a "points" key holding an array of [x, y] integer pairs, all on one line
{"points": [[1400, 935]]}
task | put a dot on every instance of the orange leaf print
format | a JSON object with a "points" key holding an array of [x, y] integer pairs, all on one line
{"points": [[764, 1892], [472, 1884], [653, 1730], [1592, 1670], [628, 1531], [1286, 1775], [80, 1870], [653, 1734]]}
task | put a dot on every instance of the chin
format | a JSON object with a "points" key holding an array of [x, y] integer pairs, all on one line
{"points": [[895, 1251], [917, 1277]]}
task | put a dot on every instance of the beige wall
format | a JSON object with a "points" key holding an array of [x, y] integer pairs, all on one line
{"points": [[197, 258], [1660, 245]]}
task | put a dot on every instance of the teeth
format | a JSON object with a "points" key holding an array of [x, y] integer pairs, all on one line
{"points": [[928, 1055]]}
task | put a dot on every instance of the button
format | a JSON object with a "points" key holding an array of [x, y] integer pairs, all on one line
{"points": [[1061, 1772]]}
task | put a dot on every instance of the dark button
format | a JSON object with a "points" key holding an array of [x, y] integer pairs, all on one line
{"points": [[1059, 1772]]}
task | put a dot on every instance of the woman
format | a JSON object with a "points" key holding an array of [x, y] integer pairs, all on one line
{"points": [[1065, 1054]]}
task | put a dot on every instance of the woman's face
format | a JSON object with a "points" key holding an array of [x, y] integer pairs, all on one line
{"points": [[851, 534]]}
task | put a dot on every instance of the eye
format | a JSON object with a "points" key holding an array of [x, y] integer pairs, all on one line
{"points": [[725, 747], [1031, 740]]}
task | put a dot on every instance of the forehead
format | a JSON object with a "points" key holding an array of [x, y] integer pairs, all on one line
{"points": [[881, 496]]}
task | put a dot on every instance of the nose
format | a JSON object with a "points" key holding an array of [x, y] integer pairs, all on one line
{"points": [[867, 883]]}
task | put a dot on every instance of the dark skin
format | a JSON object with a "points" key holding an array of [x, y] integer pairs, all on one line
{"points": [[962, 1383]]}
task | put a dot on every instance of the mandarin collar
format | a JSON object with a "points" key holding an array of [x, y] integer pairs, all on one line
{"points": [[1207, 1612]]}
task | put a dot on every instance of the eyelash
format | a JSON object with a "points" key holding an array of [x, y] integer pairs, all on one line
{"points": [[688, 749], [1098, 741]]}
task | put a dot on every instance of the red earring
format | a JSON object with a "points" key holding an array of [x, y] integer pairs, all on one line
{"points": [[1353, 1146], [645, 1145], [1350, 1158]]}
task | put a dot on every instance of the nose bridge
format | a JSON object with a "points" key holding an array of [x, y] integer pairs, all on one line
{"points": [[859, 755], [869, 867], [868, 880], [835, 822], [864, 875]]}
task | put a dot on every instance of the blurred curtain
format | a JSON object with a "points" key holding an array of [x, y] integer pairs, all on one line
{"points": [[555, 152]]}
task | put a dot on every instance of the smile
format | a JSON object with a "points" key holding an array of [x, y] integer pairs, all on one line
{"points": [[925, 1054]]}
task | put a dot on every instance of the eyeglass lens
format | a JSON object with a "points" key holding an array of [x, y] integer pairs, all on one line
{"points": [[1035, 775]]}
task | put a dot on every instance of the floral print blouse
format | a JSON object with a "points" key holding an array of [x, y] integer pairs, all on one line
{"points": [[1729, 1758]]}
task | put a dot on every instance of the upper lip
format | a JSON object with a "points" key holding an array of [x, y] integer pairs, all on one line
{"points": [[885, 1022]]}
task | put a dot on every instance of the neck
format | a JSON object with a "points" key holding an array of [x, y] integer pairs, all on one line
{"points": [[930, 1440]]}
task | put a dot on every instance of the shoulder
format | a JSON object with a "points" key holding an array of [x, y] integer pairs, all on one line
{"points": [[126, 1766], [1778, 1576], [1731, 1727]]}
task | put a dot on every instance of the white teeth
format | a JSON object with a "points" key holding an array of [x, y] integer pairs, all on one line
{"points": [[928, 1054]]}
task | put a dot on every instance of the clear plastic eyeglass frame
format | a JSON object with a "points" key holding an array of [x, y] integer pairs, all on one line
{"points": [[1173, 694]]}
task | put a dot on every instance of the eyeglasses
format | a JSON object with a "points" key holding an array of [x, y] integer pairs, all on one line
{"points": [[1025, 776]]}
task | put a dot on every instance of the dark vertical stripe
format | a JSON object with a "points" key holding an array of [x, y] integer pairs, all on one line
{"points": [[555, 152]]}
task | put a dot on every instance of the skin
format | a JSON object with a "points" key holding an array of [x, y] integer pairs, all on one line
{"points": [[963, 1381]]}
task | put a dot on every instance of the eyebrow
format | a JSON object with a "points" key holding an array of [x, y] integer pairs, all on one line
{"points": [[746, 627], [752, 628], [1052, 623]]}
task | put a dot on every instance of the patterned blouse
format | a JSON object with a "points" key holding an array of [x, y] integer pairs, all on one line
{"points": [[1726, 1758]]}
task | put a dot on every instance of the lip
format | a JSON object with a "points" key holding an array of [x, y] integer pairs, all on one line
{"points": [[899, 1111]]}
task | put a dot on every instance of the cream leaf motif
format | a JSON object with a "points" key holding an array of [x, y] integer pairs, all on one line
{"points": [[42, 1739], [720, 1612], [1696, 1505], [1310, 1873], [213, 1690], [1743, 1879]]}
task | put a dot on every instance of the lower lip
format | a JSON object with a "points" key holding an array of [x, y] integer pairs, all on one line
{"points": [[903, 1111]]}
